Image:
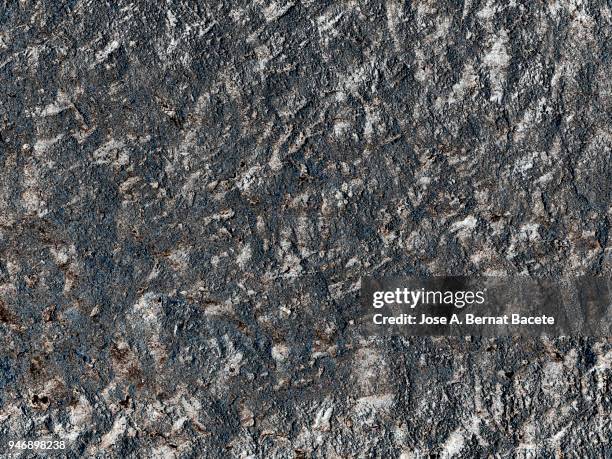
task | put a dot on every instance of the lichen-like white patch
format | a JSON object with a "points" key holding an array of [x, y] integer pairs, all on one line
{"points": [[275, 162], [32, 197], [395, 15], [467, 224], [244, 256], [171, 20], [148, 309], [529, 231], [497, 60], [341, 127], [249, 178], [111, 152], [163, 452], [369, 369], [116, 432], [468, 81], [275, 11], [371, 123], [488, 11], [62, 102], [322, 419], [80, 417], [326, 23], [424, 181], [179, 259], [127, 184], [369, 408], [531, 117], [280, 352], [102, 55], [192, 407], [603, 363], [42, 145], [358, 77], [453, 444], [423, 71], [247, 417], [377, 402], [60, 254], [525, 163]]}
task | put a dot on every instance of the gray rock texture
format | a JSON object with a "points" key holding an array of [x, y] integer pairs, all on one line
{"points": [[190, 193]]}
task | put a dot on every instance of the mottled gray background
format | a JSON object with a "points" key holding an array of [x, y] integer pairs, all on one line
{"points": [[190, 193]]}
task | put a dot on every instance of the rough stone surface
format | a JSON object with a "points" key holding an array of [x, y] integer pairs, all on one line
{"points": [[191, 191]]}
